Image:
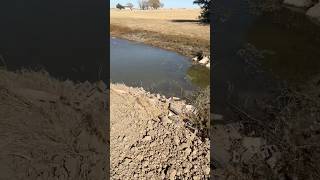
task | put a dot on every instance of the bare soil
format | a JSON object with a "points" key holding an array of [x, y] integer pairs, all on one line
{"points": [[49, 129], [173, 29], [149, 141]]}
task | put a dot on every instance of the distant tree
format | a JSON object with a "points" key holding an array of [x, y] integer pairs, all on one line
{"points": [[143, 4], [119, 6], [205, 6], [155, 4], [130, 5]]}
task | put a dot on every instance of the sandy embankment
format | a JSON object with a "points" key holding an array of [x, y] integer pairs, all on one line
{"points": [[49, 130], [150, 141]]}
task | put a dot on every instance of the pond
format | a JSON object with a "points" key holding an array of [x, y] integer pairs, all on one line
{"points": [[154, 69]]}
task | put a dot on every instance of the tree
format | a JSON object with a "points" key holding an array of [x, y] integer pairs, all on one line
{"points": [[119, 6], [143, 4], [206, 7], [155, 4], [130, 5]]}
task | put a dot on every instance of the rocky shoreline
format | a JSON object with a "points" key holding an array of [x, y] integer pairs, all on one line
{"points": [[202, 60]]}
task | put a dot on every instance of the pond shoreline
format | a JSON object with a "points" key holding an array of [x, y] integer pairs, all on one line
{"points": [[155, 69], [183, 45]]}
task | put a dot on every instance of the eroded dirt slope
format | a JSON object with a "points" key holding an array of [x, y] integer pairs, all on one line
{"points": [[49, 130], [148, 141]]}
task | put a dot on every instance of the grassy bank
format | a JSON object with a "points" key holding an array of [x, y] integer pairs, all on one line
{"points": [[175, 30]]}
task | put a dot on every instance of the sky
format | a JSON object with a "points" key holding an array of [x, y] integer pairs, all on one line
{"points": [[167, 3]]}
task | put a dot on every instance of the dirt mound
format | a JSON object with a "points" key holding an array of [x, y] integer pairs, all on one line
{"points": [[49, 129], [150, 138]]}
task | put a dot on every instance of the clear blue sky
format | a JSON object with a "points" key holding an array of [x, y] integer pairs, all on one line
{"points": [[167, 3]]}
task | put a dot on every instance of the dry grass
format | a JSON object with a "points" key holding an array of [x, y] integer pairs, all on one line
{"points": [[173, 29], [163, 21]]}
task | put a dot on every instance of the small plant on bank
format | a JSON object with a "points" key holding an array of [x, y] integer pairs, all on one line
{"points": [[201, 119]]}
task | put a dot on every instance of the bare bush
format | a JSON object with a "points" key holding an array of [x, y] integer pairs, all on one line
{"points": [[143, 4], [155, 4]]}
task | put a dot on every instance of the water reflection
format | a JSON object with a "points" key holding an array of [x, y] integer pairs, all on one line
{"points": [[155, 69], [199, 75]]}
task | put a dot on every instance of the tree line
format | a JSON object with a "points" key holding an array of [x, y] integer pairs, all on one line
{"points": [[143, 4], [156, 4], [150, 4]]}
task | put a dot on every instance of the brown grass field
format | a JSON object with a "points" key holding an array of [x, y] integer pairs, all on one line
{"points": [[173, 29]]}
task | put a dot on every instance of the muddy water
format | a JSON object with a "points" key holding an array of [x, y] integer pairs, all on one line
{"points": [[290, 45], [155, 69]]}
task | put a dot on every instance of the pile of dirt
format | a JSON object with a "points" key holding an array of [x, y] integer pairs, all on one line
{"points": [[49, 128], [284, 145], [152, 138]]}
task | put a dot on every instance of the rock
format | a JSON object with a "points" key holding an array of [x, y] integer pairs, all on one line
{"points": [[205, 60], [184, 145], [175, 109], [145, 164], [195, 59], [140, 157], [173, 174], [196, 178], [176, 98], [147, 138], [314, 12], [189, 109], [165, 120], [207, 170], [177, 140], [170, 114], [174, 118], [298, 3], [187, 152]]}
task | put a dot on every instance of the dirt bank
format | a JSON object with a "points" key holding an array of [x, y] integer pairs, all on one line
{"points": [[50, 130], [150, 141]]}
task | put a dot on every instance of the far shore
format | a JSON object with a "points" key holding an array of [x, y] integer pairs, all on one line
{"points": [[176, 30]]}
